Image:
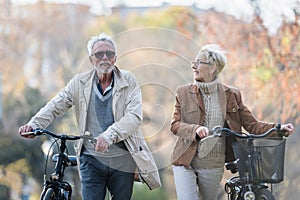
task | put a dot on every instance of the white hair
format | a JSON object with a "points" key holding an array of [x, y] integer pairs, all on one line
{"points": [[101, 37], [215, 54]]}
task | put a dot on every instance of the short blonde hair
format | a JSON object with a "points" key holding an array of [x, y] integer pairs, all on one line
{"points": [[215, 54]]}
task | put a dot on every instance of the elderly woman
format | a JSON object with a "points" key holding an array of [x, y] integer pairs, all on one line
{"points": [[198, 166]]}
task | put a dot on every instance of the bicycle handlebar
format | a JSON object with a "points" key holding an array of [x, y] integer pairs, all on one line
{"points": [[39, 131], [219, 131]]}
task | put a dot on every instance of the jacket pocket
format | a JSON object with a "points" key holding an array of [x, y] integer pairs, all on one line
{"points": [[191, 108], [143, 162], [233, 113], [191, 114]]}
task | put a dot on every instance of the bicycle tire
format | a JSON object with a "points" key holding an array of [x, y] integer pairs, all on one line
{"points": [[49, 195], [264, 194]]}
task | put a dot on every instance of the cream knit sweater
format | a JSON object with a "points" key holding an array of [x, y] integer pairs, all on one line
{"points": [[211, 152]]}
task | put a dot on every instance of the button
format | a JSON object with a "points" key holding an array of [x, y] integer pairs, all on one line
{"points": [[233, 110]]}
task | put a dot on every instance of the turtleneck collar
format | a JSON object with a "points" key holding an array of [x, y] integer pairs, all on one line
{"points": [[208, 88]]}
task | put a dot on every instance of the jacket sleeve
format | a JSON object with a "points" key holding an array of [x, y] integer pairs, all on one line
{"points": [[248, 120], [56, 107], [179, 126], [131, 119]]}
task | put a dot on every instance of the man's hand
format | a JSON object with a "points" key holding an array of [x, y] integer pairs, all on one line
{"points": [[102, 145], [24, 129]]}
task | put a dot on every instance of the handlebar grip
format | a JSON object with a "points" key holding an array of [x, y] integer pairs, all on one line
{"points": [[28, 133], [281, 133], [34, 132]]}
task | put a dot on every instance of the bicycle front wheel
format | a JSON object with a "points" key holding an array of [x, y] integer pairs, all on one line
{"points": [[49, 195], [264, 194]]}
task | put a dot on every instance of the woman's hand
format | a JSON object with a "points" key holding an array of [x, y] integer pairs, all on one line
{"points": [[287, 128], [202, 131]]}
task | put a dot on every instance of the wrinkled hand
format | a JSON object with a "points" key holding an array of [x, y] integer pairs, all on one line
{"points": [[202, 132], [287, 128], [24, 129], [102, 145]]}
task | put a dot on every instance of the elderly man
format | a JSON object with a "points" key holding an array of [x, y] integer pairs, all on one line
{"points": [[108, 105]]}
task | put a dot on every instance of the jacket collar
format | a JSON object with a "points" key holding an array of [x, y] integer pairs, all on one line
{"points": [[222, 98], [197, 97], [87, 81], [120, 81]]}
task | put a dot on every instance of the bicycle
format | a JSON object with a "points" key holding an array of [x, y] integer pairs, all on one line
{"points": [[55, 188], [256, 172]]}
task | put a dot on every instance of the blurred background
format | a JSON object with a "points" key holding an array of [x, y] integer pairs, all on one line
{"points": [[43, 45]]}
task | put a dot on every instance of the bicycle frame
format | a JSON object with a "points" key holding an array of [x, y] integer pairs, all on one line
{"points": [[242, 188], [62, 189], [55, 188]]}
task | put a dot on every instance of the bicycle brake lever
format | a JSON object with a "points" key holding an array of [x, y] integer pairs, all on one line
{"points": [[88, 136], [282, 133]]}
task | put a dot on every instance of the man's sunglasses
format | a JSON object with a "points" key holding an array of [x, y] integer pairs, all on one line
{"points": [[100, 54]]}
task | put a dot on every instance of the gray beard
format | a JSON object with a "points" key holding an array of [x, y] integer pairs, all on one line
{"points": [[104, 71]]}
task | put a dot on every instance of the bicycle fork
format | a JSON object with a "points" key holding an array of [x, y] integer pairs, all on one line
{"points": [[238, 191], [249, 194]]}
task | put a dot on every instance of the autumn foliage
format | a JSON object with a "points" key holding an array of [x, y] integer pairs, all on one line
{"points": [[43, 45]]}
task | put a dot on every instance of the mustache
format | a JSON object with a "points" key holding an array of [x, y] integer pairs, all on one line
{"points": [[106, 63]]}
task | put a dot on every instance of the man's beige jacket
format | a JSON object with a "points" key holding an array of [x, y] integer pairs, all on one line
{"points": [[127, 110]]}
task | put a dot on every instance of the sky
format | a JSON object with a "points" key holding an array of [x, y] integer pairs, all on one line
{"points": [[271, 12]]}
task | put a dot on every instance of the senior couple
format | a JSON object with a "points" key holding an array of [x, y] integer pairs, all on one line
{"points": [[108, 104]]}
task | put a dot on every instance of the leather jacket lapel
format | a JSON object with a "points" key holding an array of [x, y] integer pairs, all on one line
{"points": [[197, 97], [222, 99]]}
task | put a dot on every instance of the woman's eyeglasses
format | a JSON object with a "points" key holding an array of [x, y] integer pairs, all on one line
{"points": [[198, 62], [100, 54]]}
